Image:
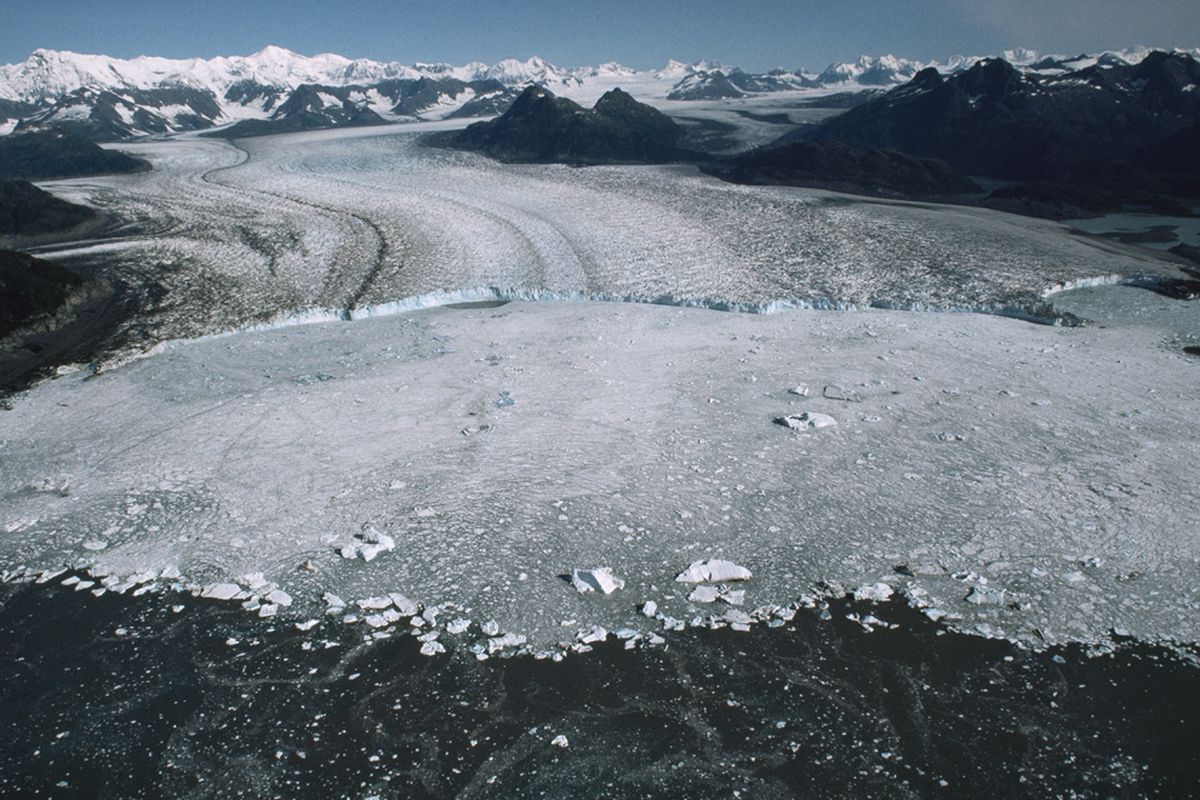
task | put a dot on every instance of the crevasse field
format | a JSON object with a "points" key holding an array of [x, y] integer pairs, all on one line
{"points": [[334, 364]]}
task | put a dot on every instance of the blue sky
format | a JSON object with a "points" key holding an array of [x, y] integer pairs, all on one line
{"points": [[755, 34]]}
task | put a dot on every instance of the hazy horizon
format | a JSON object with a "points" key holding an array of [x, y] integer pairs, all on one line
{"points": [[805, 35]]}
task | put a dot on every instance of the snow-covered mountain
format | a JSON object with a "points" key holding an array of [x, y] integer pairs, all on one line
{"points": [[275, 89]]}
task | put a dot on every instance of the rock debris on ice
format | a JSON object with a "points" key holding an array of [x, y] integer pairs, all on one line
{"points": [[806, 421]]}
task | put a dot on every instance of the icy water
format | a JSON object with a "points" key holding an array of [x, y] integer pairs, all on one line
{"points": [[177, 698]]}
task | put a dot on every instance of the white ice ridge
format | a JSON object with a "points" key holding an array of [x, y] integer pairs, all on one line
{"points": [[640, 438], [484, 294]]}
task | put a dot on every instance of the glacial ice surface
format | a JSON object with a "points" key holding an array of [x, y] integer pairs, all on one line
{"points": [[1068, 490]]}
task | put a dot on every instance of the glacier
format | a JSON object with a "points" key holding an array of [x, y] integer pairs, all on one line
{"points": [[343, 310]]}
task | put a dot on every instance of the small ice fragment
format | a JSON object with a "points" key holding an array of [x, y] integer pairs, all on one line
{"points": [[704, 594], [714, 570], [374, 603], [948, 436], [490, 628], [600, 579], [734, 597], [307, 625], [800, 390], [222, 591], [95, 544], [591, 635], [498, 643], [376, 620], [985, 596], [432, 648], [268, 610], [876, 592], [806, 421], [170, 573], [649, 608], [332, 599], [458, 625], [425, 512], [279, 598], [405, 606], [560, 741], [738, 620]]}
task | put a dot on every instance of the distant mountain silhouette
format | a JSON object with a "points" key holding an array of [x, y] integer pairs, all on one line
{"points": [[838, 166], [56, 154], [26, 210], [541, 128]]}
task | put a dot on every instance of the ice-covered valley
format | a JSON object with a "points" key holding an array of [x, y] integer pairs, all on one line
{"points": [[1019, 480]]}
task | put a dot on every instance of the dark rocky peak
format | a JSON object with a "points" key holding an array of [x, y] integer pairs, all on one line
{"points": [[1175, 69], [538, 102], [991, 78], [620, 104], [927, 78]]}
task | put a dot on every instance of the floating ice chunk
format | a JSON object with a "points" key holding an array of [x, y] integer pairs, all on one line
{"points": [[498, 643], [432, 648], [649, 608], [806, 421], [170, 573], [560, 741], [600, 579], [376, 620], [734, 597], [307, 625], [95, 544], [268, 610], [333, 600], [490, 628], [254, 581], [800, 390], [374, 603], [875, 592], [223, 591], [738, 620], [704, 594], [48, 575], [279, 598], [405, 606], [949, 436], [985, 596], [458, 625], [369, 544], [425, 512], [835, 392], [367, 552], [591, 635], [713, 570]]}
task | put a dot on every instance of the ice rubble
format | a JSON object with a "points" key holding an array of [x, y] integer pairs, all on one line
{"points": [[852, 508], [615, 413]]}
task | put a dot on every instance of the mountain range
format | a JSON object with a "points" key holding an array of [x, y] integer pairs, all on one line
{"points": [[110, 99]]}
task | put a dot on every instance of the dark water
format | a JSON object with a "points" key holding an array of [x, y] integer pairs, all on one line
{"points": [[123, 698]]}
